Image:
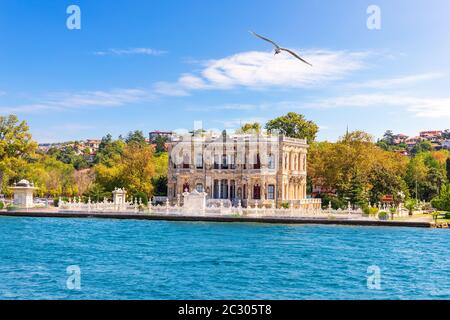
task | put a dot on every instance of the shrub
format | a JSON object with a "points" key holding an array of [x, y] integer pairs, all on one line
{"points": [[371, 211], [442, 201], [12, 207], [383, 215], [285, 205], [447, 215], [2, 205]]}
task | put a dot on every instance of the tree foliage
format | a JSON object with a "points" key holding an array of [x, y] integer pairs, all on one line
{"points": [[442, 201], [254, 128], [133, 170], [136, 137], [356, 168], [294, 125]]}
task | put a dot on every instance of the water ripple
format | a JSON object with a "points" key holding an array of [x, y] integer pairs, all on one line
{"points": [[175, 260]]}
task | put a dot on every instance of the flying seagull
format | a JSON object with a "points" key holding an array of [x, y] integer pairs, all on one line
{"points": [[278, 49]]}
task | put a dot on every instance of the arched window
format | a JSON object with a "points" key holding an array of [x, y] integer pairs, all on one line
{"points": [[199, 187], [186, 187]]}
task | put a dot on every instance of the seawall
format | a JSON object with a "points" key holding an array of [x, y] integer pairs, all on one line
{"points": [[200, 218]]}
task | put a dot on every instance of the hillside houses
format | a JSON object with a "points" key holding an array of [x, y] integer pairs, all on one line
{"points": [[403, 144]]}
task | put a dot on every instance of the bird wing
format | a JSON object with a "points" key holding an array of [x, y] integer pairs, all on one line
{"points": [[265, 39], [296, 55]]}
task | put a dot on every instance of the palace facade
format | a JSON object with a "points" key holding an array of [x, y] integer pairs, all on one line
{"points": [[254, 170]]}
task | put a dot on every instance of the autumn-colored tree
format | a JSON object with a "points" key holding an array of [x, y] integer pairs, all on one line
{"points": [[15, 143], [133, 171], [352, 168]]}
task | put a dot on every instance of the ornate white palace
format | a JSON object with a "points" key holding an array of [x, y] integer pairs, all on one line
{"points": [[255, 170]]}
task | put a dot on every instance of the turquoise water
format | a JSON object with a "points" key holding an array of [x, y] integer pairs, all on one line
{"points": [[169, 260]]}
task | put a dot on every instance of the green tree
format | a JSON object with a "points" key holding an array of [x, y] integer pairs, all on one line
{"points": [[110, 151], [254, 127], [159, 185], [97, 193], [357, 193], [422, 146], [351, 168], [15, 140], [388, 137], [136, 137], [442, 201], [383, 145], [386, 182], [15, 143], [294, 125], [426, 174], [160, 144], [69, 155]]}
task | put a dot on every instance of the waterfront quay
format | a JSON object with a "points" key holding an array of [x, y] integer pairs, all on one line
{"points": [[219, 218]]}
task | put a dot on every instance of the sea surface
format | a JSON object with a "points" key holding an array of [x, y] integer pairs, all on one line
{"points": [[127, 259]]}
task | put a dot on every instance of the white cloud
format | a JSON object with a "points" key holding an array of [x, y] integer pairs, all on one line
{"points": [[225, 107], [398, 81], [425, 107], [131, 51], [74, 100], [258, 70], [112, 98], [237, 123]]}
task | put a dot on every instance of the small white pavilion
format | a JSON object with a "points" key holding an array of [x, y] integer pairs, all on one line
{"points": [[23, 193], [119, 198]]}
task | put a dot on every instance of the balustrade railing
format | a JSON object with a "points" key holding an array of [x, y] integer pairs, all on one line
{"points": [[216, 209]]}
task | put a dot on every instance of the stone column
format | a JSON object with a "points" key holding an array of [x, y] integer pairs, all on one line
{"points": [[292, 161], [285, 191], [289, 188], [295, 191]]}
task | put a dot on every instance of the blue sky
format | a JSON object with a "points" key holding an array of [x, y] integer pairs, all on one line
{"points": [[164, 64]]}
